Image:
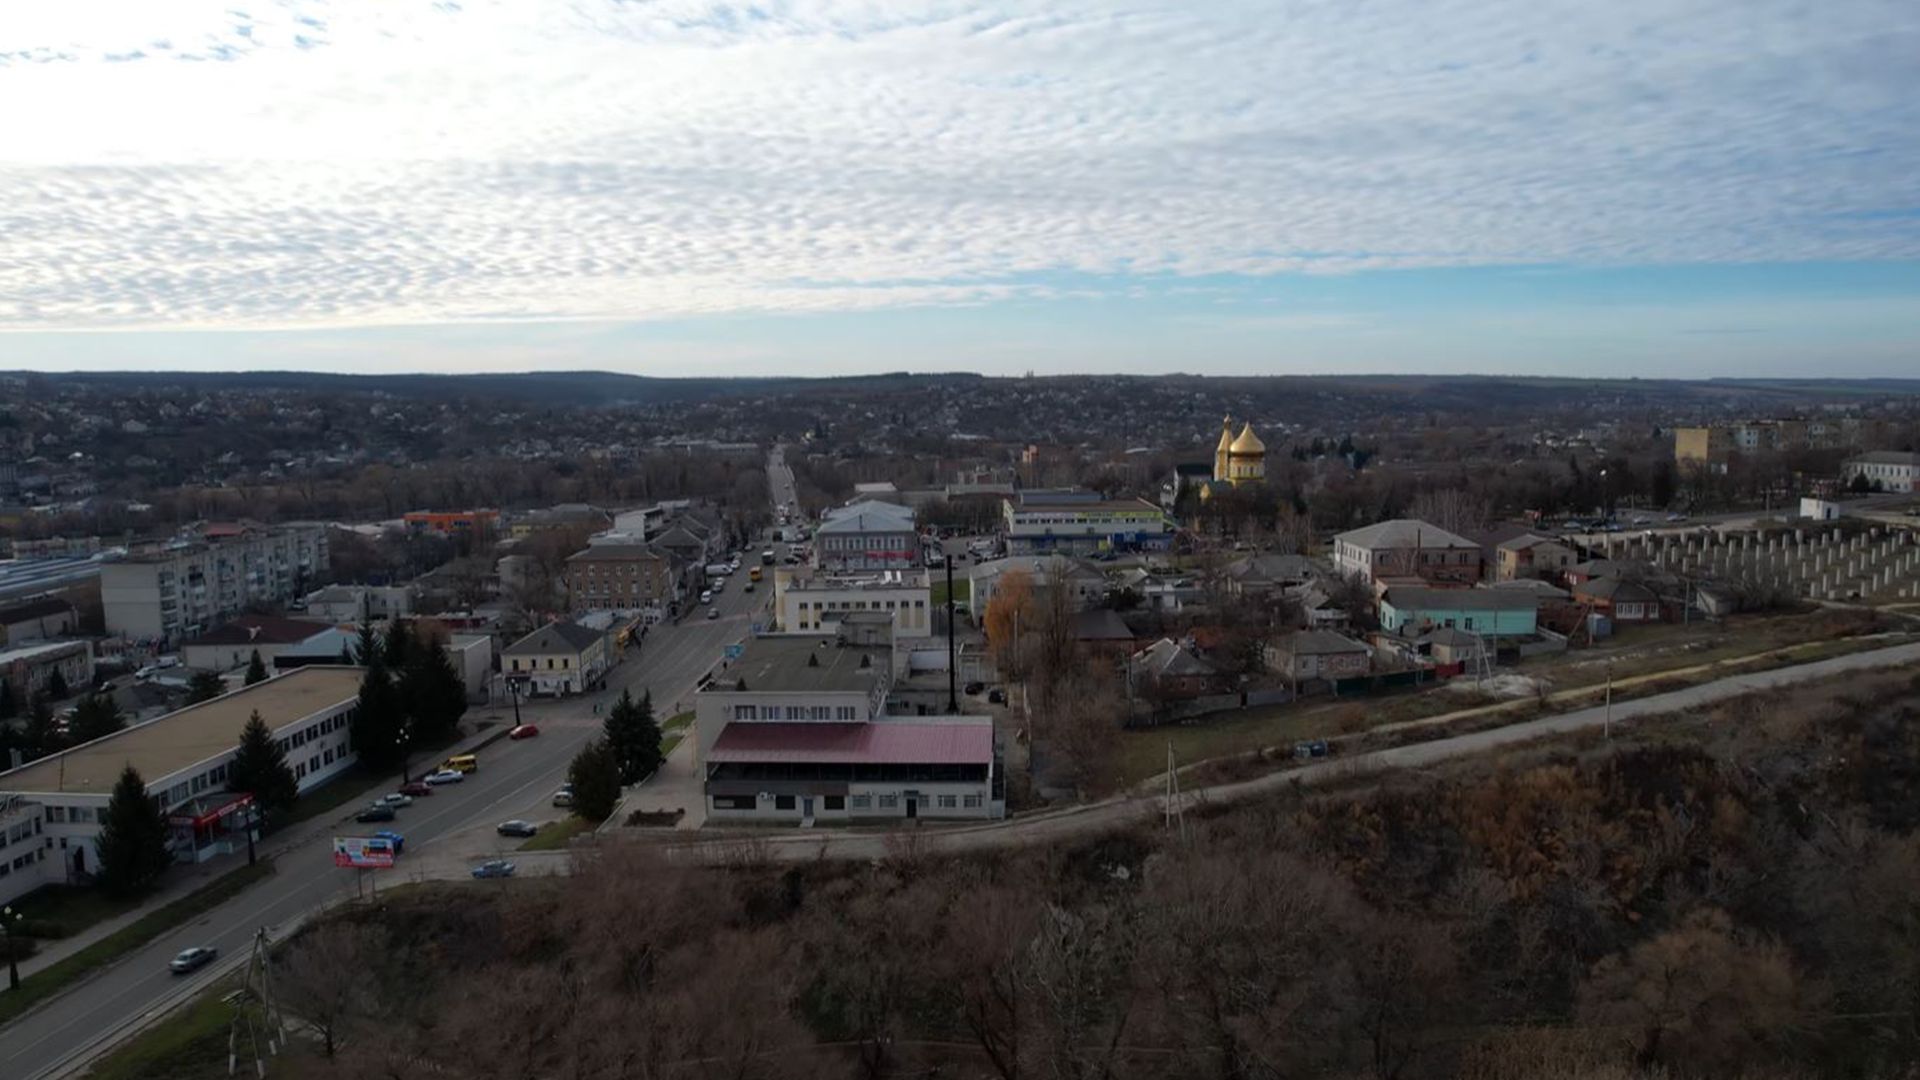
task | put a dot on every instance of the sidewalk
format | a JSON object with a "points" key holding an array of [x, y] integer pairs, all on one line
{"points": [[183, 879]]}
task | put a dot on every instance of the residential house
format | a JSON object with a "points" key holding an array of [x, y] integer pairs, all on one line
{"points": [[1263, 575], [1086, 586], [1446, 645], [170, 593], [1619, 599], [233, 644], [1170, 670], [1533, 556], [359, 603], [1407, 548], [1102, 633], [37, 620], [559, 659], [1320, 609], [1411, 610], [1318, 654]]}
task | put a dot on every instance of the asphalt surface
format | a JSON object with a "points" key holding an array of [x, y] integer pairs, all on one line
{"points": [[515, 780]]}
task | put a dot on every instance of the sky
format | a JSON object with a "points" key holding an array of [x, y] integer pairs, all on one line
{"points": [[670, 187]]}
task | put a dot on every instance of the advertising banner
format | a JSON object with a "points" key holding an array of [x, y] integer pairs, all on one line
{"points": [[364, 852]]}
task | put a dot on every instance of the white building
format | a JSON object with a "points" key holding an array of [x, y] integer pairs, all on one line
{"points": [[867, 535], [810, 601], [26, 858], [1886, 470], [183, 757], [1081, 523], [1404, 547], [559, 659], [28, 669], [1086, 586], [794, 730], [359, 603], [179, 591]]}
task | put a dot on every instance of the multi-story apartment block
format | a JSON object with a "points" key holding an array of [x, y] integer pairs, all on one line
{"points": [[1712, 446], [622, 577], [184, 589]]}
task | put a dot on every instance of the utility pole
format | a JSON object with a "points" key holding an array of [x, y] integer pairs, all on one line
{"points": [[953, 665], [8, 920], [1607, 724]]}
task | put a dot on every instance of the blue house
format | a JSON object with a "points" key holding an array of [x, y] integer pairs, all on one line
{"points": [[1496, 613]]}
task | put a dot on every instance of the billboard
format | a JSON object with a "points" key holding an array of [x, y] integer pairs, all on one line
{"points": [[365, 852]]}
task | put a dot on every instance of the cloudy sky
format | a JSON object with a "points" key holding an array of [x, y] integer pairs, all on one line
{"points": [[1649, 187]]}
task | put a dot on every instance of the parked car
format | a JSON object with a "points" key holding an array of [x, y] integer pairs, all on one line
{"points": [[493, 868], [416, 789], [524, 731], [563, 797], [445, 776], [713, 613], [516, 827], [748, 587], [190, 960], [1312, 748], [975, 687], [376, 812], [706, 596], [396, 800], [997, 696], [398, 841]]}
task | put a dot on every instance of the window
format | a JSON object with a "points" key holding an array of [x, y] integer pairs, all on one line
{"points": [[733, 802], [745, 712], [834, 802], [862, 802], [822, 712], [783, 802], [843, 712], [80, 815], [971, 802], [56, 815], [948, 802], [889, 802]]}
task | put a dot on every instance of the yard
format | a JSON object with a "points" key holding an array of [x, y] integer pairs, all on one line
{"points": [[962, 591]]}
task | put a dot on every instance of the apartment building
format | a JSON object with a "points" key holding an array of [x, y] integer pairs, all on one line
{"points": [[1885, 470], [185, 588], [1713, 445], [183, 756], [868, 535], [619, 577], [811, 601]]}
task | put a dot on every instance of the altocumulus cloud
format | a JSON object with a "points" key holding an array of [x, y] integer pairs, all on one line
{"points": [[241, 164]]}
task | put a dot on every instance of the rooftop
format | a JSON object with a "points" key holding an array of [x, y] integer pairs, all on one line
{"points": [[1403, 532], [37, 648], [868, 516], [34, 609], [806, 663], [167, 744], [1321, 643], [260, 630], [1886, 457], [1041, 503], [883, 742], [1410, 597], [554, 638], [613, 553]]}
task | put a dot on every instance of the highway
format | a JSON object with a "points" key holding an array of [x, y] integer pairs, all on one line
{"points": [[515, 780]]}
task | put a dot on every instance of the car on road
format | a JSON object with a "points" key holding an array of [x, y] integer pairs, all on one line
{"points": [[997, 696], [398, 841], [975, 687], [1676, 517], [713, 613], [563, 797], [396, 800], [191, 960], [493, 868], [376, 812], [445, 776], [416, 789], [748, 587], [517, 827], [524, 731], [706, 596], [1312, 748]]}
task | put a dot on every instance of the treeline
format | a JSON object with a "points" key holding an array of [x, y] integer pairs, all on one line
{"points": [[1739, 897]]}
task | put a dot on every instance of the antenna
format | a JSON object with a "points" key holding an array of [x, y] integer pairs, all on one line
{"points": [[256, 990]]}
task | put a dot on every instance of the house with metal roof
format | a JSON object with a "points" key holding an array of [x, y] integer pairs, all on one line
{"points": [[557, 659], [1498, 613], [1404, 547]]}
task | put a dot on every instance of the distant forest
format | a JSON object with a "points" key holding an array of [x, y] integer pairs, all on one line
{"points": [[1734, 893]]}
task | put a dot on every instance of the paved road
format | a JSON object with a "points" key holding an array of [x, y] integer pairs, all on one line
{"points": [[516, 779]]}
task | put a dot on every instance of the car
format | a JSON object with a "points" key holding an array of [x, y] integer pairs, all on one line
{"points": [[524, 731], [1313, 748], [975, 687], [997, 696], [713, 613], [493, 868], [190, 960], [706, 596], [748, 587], [376, 812], [445, 776], [417, 789], [1676, 517], [398, 841], [517, 827], [563, 797], [396, 800]]}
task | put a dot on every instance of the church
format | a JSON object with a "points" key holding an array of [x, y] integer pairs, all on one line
{"points": [[1238, 460]]}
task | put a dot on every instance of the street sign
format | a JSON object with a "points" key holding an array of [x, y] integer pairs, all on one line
{"points": [[364, 852], [735, 651]]}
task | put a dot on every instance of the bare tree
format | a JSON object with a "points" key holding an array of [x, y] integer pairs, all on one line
{"points": [[326, 979]]}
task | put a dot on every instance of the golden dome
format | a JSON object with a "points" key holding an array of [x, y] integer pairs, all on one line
{"points": [[1248, 443], [1226, 435]]}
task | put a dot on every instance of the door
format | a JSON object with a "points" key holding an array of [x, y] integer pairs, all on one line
{"points": [[806, 806], [913, 808]]}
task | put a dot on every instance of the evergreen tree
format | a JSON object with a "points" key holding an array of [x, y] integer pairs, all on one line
{"points": [[7, 708], [256, 669], [346, 654], [367, 649], [595, 777], [398, 646], [205, 686], [260, 768], [57, 685], [435, 697], [633, 737], [39, 737], [133, 838], [96, 716], [377, 722]]}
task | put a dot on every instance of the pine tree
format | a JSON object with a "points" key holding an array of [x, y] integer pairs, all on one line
{"points": [[377, 722], [367, 649], [398, 646], [435, 697], [57, 685], [346, 654], [633, 737], [7, 708], [595, 777], [39, 737], [133, 838], [256, 669], [260, 768], [97, 716], [205, 686]]}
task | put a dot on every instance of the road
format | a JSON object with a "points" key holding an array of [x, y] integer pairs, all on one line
{"points": [[515, 780]]}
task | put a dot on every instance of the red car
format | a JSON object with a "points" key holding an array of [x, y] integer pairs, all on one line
{"points": [[416, 789], [524, 731]]}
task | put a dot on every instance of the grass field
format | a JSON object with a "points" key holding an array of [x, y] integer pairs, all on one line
{"points": [[44, 984], [555, 835], [188, 1045], [65, 910], [962, 591]]}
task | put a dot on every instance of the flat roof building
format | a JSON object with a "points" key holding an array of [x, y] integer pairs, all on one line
{"points": [[1077, 522]]}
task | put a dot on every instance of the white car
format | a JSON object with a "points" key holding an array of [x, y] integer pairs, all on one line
{"points": [[445, 776], [706, 596], [395, 800]]}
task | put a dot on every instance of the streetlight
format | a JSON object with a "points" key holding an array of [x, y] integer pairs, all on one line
{"points": [[405, 743], [1607, 724], [9, 918]]}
